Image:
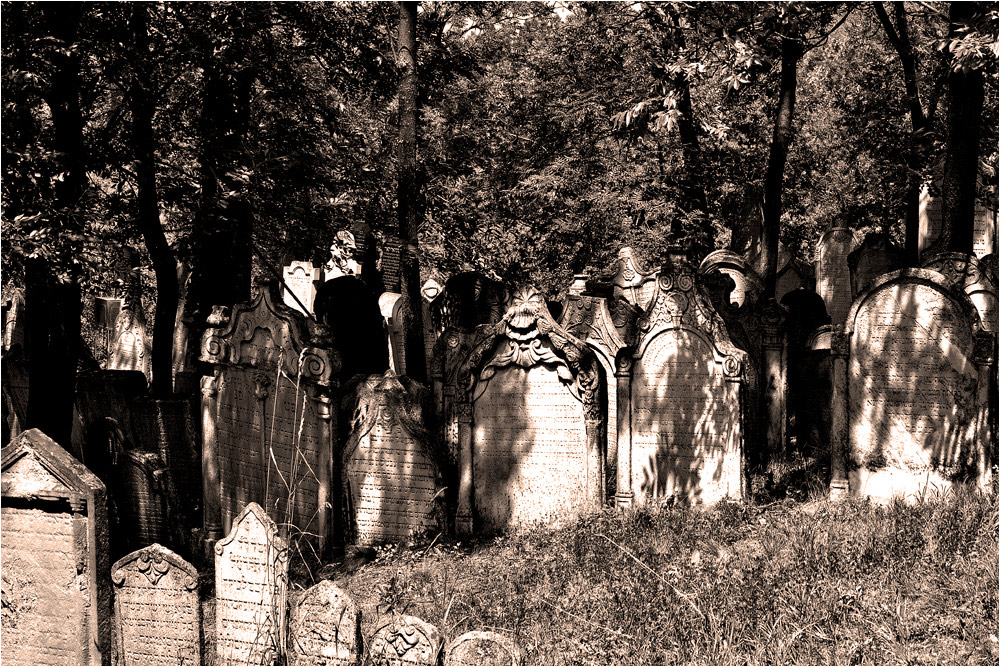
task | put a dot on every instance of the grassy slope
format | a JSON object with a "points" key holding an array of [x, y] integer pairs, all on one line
{"points": [[787, 583]]}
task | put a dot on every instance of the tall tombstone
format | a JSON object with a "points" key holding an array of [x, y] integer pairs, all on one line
{"points": [[968, 274], [931, 215], [130, 349], [833, 273], [267, 420], [299, 289], [405, 640], [481, 647], [13, 322], [607, 325], [914, 389], [57, 599], [325, 627], [686, 401], [157, 612], [391, 471], [531, 416], [251, 580]]}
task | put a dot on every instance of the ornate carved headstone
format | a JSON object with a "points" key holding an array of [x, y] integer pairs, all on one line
{"points": [[300, 280], [532, 452], [916, 387], [966, 273], [267, 422], [687, 417], [405, 640], [833, 273], [129, 347], [728, 263], [157, 612], [480, 647], [56, 597], [325, 627], [342, 257], [251, 577], [392, 475]]}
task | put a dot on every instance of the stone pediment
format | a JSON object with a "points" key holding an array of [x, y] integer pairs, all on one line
{"points": [[631, 280], [35, 466], [389, 399], [606, 323], [154, 562]]}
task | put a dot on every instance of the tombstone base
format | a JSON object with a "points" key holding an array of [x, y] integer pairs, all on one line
{"points": [[463, 524], [624, 499], [838, 489]]}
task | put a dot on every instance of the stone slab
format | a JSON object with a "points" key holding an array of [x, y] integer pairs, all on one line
{"points": [[325, 627], [405, 640], [480, 647]]}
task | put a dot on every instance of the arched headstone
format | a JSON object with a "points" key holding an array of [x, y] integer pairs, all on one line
{"points": [[325, 627]]}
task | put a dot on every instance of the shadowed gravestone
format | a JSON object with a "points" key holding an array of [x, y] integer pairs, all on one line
{"points": [[56, 595], [157, 613]]}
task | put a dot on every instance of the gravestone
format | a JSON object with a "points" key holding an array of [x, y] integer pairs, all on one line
{"points": [[916, 386], [251, 578], [391, 472], [833, 273], [686, 406], [531, 449], [728, 263], [984, 231], [157, 612], [405, 640], [129, 347], [631, 279], [480, 647], [13, 322], [342, 260], [349, 310], [931, 215], [966, 273], [299, 289], [393, 329], [267, 420], [875, 256], [325, 627], [56, 595]]}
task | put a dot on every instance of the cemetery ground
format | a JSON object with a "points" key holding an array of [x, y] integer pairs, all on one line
{"points": [[788, 582]]}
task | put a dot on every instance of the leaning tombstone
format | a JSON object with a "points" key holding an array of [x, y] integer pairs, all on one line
{"points": [[483, 648], [391, 470], [56, 595], [157, 612], [251, 577], [405, 640], [325, 627]]}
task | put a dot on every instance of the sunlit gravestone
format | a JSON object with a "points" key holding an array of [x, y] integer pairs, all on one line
{"points": [[912, 391], [530, 423], [405, 640], [56, 588], [267, 419], [686, 413], [325, 627], [299, 288], [392, 475], [157, 612], [251, 579]]}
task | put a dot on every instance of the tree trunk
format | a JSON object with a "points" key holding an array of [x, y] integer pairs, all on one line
{"points": [[961, 166], [164, 264], [407, 193], [791, 52]]}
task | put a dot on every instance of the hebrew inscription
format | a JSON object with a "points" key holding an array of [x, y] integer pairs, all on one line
{"points": [[156, 609], [529, 449], [684, 421]]}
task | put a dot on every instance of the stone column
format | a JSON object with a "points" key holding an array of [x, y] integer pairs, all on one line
{"points": [[839, 424], [463, 520], [623, 380], [595, 463], [328, 476], [210, 484]]}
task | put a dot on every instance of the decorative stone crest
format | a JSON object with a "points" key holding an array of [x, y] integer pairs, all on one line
{"points": [[405, 640]]}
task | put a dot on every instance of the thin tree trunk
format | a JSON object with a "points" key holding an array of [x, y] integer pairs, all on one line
{"points": [[164, 264], [961, 167], [791, 52], [407, 193]]}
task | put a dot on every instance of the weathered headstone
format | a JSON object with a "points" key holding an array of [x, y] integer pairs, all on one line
{"points": [[480, 647], [966, 273], [687, 416], [875, 256], [342, 257], [532, 451], [915, 387], [129, 347], [13, 322], [267, 421], [325, 627], [56, 594], [833, 273], [728, 263], [251, 578], [391, 473], [405, 640], [984, 231], [931, 215], [157, 612], [300, 280], [387, 305]]}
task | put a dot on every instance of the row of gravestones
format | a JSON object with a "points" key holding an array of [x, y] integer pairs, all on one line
{"points": [[58, 599]]}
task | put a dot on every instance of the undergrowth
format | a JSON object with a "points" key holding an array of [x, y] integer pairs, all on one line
{"points": [[788, 583]]}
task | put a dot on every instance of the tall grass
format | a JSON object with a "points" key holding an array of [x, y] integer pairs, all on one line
{"points": [[820, 583]]}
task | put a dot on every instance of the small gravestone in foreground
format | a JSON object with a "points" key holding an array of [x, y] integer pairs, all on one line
{"points": [[251, 576], [405, 640], [325, 627], [157, 614], [56, 597], [483, 648]]}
